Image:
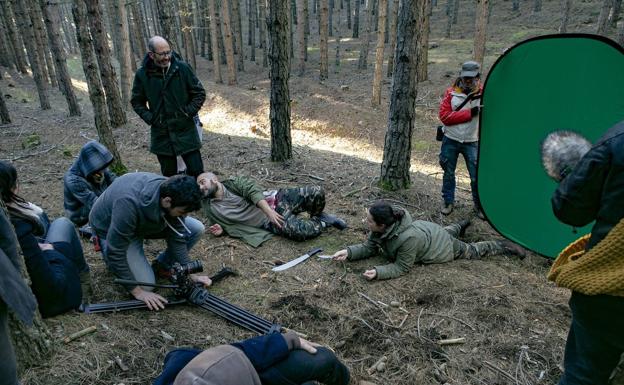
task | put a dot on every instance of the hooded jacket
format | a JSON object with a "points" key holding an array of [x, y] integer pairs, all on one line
{"points": [[130, 209], [594, 190], [404, 243], [459, 125], [79, 191], [167, 100]]}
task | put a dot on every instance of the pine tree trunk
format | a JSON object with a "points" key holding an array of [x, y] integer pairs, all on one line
{"points": [[24, 24], [393, 36], [214, 24], [455, 11], [620, 34], [449, 20], [7, 57], [423, 43], [253, 22], [566, 6], [41, 41], [119, 22], [94, 83], [603, 17], [306, 28], [187, 33], [398, 141], [348, 14], [363, 59], [208, 34], [116, 109], [480, 30], [379, 53], [167, 22], [262, 7], [237, 29], [52, 17], [14, 37], [615, 15], [323, 32], [68, 30], [227, 41], [356, 20], [330, 17], [279, 115], [153, 10], [337, 60], [301, 37], [138, 24], [5, 118], [291, 27]]}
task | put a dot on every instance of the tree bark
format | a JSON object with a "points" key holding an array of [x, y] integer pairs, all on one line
{"points": [[94, 83], [41, 41], [603, 17], [620, 35], [167, 22], [330, 17], [119, 22], [52, 17], [69, 31], [393, 37], [363, 59], [187, 34], [237, 29], [306, 28], [263, 34], [480, 30], [356, 20], [253, 22], [379, 54], [25, 26], [227, 41], [323, 32], [138, 23], [455, 11], [214, 24], [279, 115], [5, 118], [423, 43], [615, 14], [7, 56], [14, 37], [566, 6], [398, 141], [301, 37], [348, 14]]}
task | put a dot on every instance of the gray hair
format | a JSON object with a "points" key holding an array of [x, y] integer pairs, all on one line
{"points": [[561, 151]]}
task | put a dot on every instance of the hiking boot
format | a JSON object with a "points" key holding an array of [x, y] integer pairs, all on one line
{"points": [[86, 231], [479, 213], [160, 271], [332, 220], [463, 225], [512, 248], [447, 208]]}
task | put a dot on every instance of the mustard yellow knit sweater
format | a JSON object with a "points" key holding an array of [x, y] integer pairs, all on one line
{"points": [[597, 271]]}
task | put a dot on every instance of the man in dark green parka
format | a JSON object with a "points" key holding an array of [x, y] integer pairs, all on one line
{"points": [[166, 94]]}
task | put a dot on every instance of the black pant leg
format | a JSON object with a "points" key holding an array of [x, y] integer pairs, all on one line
{"points": [[194, 163], [168, 165]]}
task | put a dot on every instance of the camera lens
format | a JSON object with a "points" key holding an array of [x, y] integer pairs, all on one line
{"points": [[193, 267]]}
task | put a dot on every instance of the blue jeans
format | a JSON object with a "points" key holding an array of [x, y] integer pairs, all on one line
{"points": [[449, 152], [135, 255], [595, 341], [63, 230], [8, 366], [301, 367]]}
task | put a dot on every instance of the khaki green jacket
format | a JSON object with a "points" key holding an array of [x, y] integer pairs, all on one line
{"points": [[247, 189], [405, 243]]}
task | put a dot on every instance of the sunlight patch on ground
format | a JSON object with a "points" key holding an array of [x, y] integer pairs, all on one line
{"points": [[80, 85]]}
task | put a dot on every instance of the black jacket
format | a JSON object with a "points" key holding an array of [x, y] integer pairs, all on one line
{"points": [[595, 188]]}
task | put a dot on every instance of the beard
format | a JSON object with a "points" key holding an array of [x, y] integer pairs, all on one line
{"points": [[211, 192]]}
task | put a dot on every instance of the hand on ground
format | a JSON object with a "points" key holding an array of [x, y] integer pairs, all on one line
{"points": [[152, 300], [203, 279], [216, 230], [340, 255], [370, 274], [308, 346], [276, 218]]}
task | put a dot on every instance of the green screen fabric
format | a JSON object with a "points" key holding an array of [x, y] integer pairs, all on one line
{"points": [[573, 82]]}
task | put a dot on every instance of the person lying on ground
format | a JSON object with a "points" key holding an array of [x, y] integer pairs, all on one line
{"points": [[405, 242], [272, 359], [141, 205], [86, 180], [52, 252], [239, 208]]}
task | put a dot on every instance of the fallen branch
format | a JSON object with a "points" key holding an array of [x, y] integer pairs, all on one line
{"points": [[79, 334], [121, 365], [357, 190], [452, 341], [494, 367], [253, 160], [34, 153], [309, 176]]}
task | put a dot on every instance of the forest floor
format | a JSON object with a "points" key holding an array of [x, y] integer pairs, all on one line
{"points": [[513, 321]]}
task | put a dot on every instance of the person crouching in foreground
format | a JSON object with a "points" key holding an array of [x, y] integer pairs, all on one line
{"points": [[405, 242]]}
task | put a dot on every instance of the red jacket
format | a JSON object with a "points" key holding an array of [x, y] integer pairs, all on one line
{"points": [[447, 116]]}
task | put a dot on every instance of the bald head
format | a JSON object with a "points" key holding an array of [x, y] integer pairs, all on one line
{"points": [[208, 184], [155, 42], [159, 51]]}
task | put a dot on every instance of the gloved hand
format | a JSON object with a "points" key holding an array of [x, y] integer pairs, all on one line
{"points": [[474, 111]]}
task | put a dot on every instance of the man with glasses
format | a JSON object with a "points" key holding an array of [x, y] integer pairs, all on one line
{"points": [[140, 206], [167, 95]]}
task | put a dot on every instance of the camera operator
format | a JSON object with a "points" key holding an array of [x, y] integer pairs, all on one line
{"points": [[140, 206]]}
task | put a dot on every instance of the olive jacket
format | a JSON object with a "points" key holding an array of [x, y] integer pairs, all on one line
{"points": [[405, 243], [167, 100]]}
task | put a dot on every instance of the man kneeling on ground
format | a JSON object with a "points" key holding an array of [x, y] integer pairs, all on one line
{"points": [[140, 206], [239, 207], [272, 359]]}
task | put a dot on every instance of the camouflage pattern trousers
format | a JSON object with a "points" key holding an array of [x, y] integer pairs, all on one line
{"points": [[290, 202], [476, 250]]}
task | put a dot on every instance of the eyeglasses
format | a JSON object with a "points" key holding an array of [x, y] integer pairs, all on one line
{"points": [[162, 54]]}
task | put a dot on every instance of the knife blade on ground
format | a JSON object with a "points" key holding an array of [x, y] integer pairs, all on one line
{"points": [[297, 260]]}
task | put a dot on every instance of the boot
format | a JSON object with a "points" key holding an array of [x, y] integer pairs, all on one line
{"points": [[447, 208], [332, 220], [463, 225], [512, 248]]}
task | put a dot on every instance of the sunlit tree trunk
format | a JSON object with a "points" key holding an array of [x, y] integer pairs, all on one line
{"points": [[52, 19], [393, 36], [363, 59], [24, 23], [379, 53], [237, 31], [423, 43], [187, 33], [323, 32], [301, 37], [279, 115], [228, 43], [119, 22], [480, 30], [214, 24], [398, 141], [42, 41]]}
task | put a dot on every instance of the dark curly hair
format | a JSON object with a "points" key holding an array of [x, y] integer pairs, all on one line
{"points": [[384, 214], [183, 191]]}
